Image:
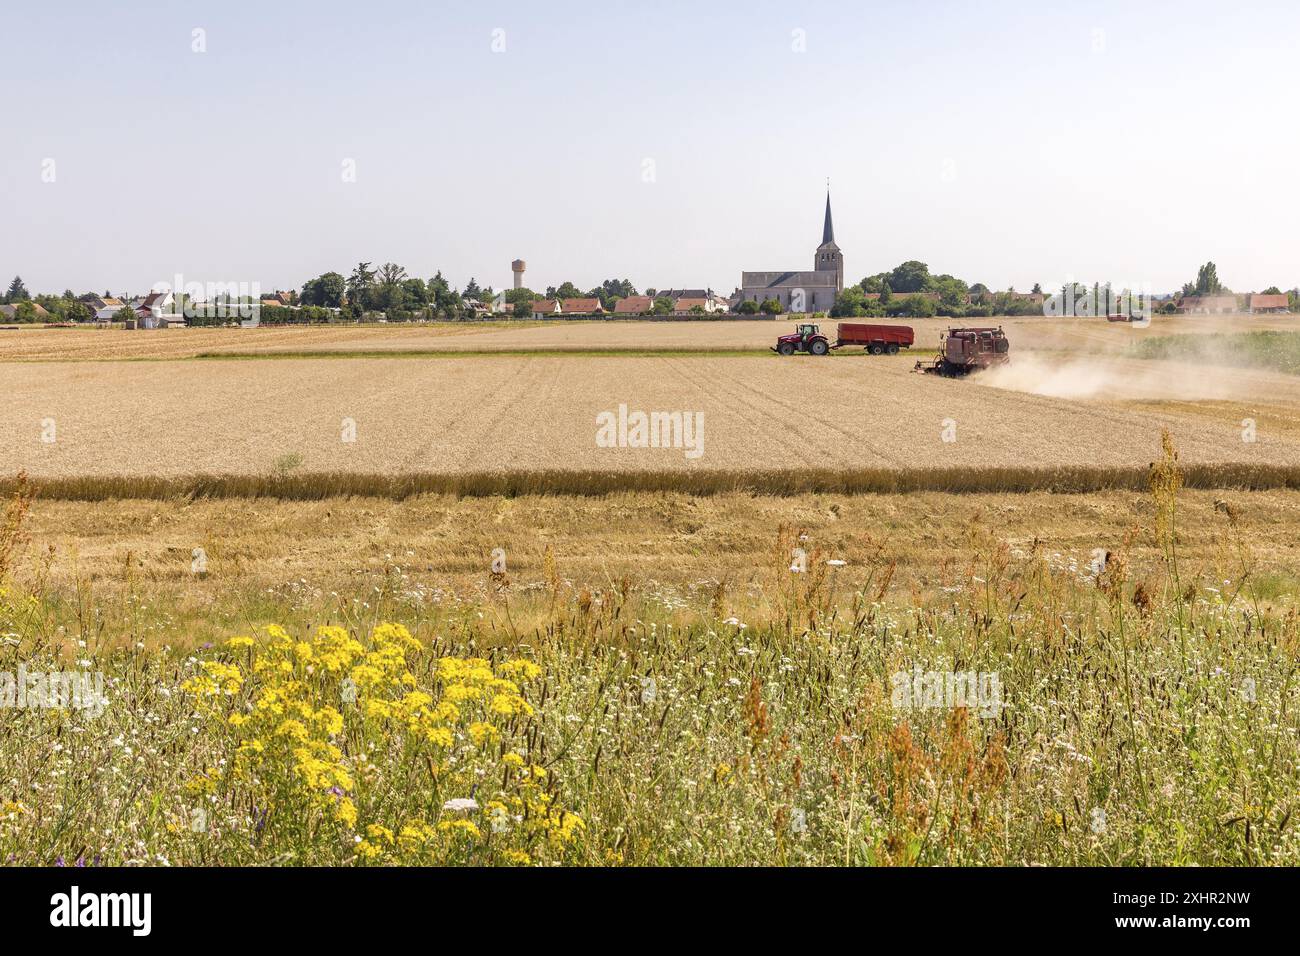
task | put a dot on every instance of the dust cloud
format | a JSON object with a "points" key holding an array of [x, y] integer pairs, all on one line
{"points": [[1115, 378]]}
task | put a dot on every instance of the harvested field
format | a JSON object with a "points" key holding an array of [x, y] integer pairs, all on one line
{"points": [[511, 414]]}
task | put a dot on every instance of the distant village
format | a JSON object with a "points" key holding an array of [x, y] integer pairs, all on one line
{"points": [[389, 294]]}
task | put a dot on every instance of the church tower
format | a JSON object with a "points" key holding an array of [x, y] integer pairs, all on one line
{"points": [[828, 257]]}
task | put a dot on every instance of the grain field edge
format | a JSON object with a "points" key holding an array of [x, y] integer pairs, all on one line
{"points": [[309, 486]]}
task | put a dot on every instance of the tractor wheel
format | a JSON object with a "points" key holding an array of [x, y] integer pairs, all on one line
{"points": [[819, 347], [893, 348], [786, 348], [875, 348]]}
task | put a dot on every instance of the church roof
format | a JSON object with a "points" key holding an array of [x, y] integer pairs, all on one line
{"points": [[787, 280], [828, 230]]}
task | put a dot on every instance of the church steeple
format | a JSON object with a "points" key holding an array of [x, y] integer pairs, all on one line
{"points": [[828, 257]]}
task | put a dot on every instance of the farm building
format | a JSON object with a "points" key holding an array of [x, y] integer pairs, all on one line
{"points": [[1268, 302], [10, 312], [1207, 304], [105, 307]]}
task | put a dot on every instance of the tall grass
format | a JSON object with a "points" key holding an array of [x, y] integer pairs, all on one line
{"points": [[1150, 716]]}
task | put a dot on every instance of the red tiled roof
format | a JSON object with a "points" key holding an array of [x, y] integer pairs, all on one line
{"points": [[634, 304], [1261, 301]]}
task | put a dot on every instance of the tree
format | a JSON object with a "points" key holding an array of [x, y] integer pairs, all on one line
{"points": [[747, 307], [662, 306], [125, 314], [1037, 289], [361, 286], [325, 290], [1272, 290], [389, 291], [1207, 282], [472, 291], [613, 289], [850, 303], [17, 292], [78, 312], [771, 307], [444, 300], [915, 306], [910, 276]]}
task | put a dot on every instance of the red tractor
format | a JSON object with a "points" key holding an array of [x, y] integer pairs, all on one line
{"points": [[805, 338], [876, 339], [963, 351]]}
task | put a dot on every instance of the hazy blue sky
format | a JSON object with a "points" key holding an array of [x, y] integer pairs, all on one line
{"points": [[1002, 142]]}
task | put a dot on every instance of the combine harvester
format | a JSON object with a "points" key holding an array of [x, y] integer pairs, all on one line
{"points": [[963, 351], [876, 339]]}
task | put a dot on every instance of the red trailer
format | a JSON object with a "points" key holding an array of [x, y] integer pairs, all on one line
{"points": [[876, 339]]}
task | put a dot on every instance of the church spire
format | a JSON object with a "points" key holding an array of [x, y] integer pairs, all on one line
{"points": [[828, 230]]}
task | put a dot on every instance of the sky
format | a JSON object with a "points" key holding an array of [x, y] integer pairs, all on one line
{"points": [[673, 144]]}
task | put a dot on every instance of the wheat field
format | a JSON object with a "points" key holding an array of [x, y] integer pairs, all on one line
{"points": [[511, 413]]}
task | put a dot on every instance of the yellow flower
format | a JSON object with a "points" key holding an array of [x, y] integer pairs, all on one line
{"points": [[465, 827], [521, 670], [345, 811], [509, 705], [481, 732]]}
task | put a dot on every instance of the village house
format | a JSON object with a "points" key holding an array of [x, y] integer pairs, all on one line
{"points": [[566, 308], [634, 305], [686, 305], [710, 300], [157, 310]]}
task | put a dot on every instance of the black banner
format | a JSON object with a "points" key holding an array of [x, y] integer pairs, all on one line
{"points": [[940, 907]]}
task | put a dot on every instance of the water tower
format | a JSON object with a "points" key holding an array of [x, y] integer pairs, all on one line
{"points": [[517, 267]]}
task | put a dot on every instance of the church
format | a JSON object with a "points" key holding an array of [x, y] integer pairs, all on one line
{"points": [[813, 291]]}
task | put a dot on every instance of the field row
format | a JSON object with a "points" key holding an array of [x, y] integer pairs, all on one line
{"points": [[1092, 336]]}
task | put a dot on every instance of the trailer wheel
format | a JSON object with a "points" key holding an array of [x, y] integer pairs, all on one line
{"points": [[875, 348], [818, 347], [786, 348], [893, 348]]}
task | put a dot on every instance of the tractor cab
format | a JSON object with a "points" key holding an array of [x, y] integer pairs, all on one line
{"points": [[805, 329]]}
